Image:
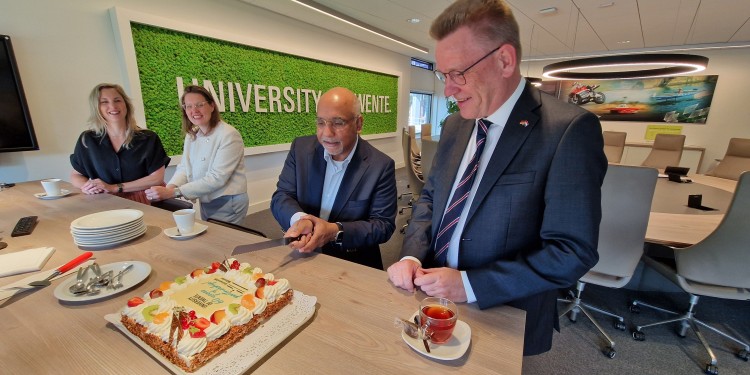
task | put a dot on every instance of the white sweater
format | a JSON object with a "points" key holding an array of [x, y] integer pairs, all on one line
{"points": [[212, 165]]}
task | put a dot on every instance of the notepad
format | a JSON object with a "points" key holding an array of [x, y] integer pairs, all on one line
{"points": [[24, 261]]}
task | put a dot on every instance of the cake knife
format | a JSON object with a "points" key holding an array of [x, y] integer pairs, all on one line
{"points": [[285, 241]]}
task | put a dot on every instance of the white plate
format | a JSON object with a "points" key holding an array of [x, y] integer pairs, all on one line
{"points": [[107, 231], [63, 193], [453, 349], [138, 273], [117, 236], [253, 347], [174, 234], [106, 219], [108, 243]]}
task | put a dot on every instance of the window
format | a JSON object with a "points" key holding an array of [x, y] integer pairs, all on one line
{"points": [[419, 109], [422, 64]]}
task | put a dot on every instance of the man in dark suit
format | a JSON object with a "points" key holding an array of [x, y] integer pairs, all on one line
{"points": [[337, 190], [520, 219]]}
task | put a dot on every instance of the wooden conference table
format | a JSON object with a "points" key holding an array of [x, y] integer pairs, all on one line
{"points": [[351, 331], [673, 223]]}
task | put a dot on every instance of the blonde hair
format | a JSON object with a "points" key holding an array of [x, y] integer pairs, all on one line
{"points": [[98, 124], [491, 20], [187, 126]]}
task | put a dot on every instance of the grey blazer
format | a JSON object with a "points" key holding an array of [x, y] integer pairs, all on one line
{"points": [[533, 225]]}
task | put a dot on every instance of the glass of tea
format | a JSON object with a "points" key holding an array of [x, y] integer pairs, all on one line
{"points": [[438, 316]]}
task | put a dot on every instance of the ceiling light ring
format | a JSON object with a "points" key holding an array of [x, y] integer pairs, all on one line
{"points": [[679, 64]]}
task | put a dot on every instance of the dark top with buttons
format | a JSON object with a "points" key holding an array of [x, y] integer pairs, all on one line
{"points": [[97, 159]]}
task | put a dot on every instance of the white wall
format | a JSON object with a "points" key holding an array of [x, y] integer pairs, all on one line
{"points": [[730, 108], [65, 48]]}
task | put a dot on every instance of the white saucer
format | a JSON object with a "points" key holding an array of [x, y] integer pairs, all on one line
{"points": [[174, 234], [63, 193], [453, 349]]}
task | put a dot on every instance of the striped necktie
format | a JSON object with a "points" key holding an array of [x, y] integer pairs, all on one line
{"points": [[460, 195]]}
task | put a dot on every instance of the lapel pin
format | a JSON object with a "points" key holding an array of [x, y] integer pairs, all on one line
{"points": [[524, 123]]}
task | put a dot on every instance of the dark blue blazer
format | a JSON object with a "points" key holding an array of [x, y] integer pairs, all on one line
{"points": [[365, 203], [533, 225]]}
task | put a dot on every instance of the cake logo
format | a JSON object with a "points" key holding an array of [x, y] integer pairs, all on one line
{"points": [[210, 294]]}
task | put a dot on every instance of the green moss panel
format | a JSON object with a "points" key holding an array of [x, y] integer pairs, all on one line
{"points": [[286, 86]]}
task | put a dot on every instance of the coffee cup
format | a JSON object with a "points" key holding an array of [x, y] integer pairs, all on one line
{"points": [[438, 317], [52, 186], [185, 220]]}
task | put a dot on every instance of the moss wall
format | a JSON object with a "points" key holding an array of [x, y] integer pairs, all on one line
{"points": [[268, 96]]}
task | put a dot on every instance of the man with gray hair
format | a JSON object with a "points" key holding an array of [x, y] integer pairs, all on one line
{"points": [[336, 190]]}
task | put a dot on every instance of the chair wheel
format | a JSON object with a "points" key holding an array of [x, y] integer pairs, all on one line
{"points": [[635, 309], [639, 336], [743, 355], [712, 370], [619, 325], [609, 352]]}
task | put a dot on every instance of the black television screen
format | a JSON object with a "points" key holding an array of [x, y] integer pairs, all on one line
{"points": [[16, 130]]}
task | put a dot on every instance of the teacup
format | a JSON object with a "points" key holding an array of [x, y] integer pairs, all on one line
{"points": [[438, 318], [52, 186], [185, 220]]}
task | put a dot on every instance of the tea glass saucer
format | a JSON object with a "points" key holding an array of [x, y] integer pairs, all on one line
{"points": [[452, 349]]}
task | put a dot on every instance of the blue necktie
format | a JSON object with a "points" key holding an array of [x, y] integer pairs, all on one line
{"points": [[460, 195]]}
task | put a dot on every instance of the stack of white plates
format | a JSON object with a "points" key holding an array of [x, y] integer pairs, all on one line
{"points": [[108, 228]]}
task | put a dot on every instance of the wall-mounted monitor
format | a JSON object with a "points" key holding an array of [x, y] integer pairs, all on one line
{"points": [[16, 130]]}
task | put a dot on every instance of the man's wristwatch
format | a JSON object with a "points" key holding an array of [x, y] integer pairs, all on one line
{"points": [[339, 235], [177, 192], [119, 188]]}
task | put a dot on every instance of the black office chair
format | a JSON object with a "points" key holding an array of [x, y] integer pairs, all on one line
{"points": [[238, 227]]}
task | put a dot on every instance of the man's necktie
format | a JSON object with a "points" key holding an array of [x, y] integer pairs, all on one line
{"points": [[460, 195]]}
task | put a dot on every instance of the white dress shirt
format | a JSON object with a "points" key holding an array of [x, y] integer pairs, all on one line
{"points": [[498, 119], [335, 171]]}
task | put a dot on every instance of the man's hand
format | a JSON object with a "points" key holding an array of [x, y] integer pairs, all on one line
{"points": [[441, 282], [315, 232], [402, 273]]}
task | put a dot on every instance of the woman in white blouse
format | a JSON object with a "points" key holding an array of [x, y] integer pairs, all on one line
{"points": [[212, 168]]}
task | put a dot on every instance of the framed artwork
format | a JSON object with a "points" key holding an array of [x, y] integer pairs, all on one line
{"points": [[682, 99]]}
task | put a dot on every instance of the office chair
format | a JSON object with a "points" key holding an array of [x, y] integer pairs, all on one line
{"points": [[735, 161], [237, 227], [426, 131], [627, 192], [429, 149], [414, 175], [666, 151], [614, 145], [715, 267]]}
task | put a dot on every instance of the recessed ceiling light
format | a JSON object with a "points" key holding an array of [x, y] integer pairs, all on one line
{"points": [[624, 42], [413, 20], [548, 10], [606, 5]]}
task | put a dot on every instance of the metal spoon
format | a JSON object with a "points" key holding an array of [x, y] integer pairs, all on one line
{"points": [[79, 285]]}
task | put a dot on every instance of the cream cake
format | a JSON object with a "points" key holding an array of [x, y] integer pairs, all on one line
{"points": [[194, 318]]}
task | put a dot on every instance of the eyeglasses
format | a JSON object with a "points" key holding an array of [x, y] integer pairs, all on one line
{"points": [[337, 122], [198, 105], [458, 76]]}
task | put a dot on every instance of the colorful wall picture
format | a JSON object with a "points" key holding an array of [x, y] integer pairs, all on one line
{"points": [[684, 99]]}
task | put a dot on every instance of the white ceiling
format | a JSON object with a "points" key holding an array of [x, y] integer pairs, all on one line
{"points": [[577, 28]]}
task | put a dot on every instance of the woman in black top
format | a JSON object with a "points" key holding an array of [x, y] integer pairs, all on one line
{"points": [[115, 155]]}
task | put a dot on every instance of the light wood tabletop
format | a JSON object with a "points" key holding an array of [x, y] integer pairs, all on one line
{"points": [[681, 226], [351, 331]]}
